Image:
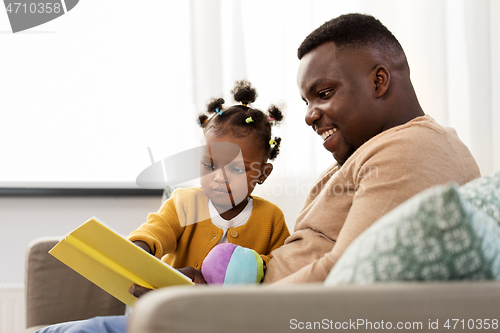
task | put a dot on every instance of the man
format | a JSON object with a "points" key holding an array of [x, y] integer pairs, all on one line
{"points": [[355, 80]]}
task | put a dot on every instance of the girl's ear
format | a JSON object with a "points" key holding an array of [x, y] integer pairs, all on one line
{"points": [[265, 171]]}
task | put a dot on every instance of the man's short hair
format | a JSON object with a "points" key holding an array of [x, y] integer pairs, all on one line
{"points": [[352, 30]]}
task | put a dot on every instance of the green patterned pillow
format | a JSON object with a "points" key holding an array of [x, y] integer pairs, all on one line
{"points": [[436, 235], [484, 193]]}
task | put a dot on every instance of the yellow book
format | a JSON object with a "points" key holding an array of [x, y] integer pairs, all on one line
{"points": [[113, 262]]}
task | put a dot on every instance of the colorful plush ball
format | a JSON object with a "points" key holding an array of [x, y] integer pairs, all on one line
{"points": [[228, 263]]}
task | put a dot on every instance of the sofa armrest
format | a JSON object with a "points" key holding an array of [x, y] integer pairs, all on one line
{"points": [[280, 309], [55, 293]]}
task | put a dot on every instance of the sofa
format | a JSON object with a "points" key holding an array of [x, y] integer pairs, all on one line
{"points": [[54, 293], [412, 306], [57, 294], [432, 264]]}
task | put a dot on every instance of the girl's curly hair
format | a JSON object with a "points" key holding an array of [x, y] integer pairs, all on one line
{"points": [[236, 119]]}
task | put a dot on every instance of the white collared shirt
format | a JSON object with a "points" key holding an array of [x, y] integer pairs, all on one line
{"points": [[236, 221]]}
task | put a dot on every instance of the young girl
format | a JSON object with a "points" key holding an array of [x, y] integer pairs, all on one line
{"points": [[194, 220]]}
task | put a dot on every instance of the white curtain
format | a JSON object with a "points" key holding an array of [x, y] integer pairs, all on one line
{"points": [[473, 77], [83, 99], [453, 48]]}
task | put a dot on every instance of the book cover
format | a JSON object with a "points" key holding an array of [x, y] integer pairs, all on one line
{"points": [[113, 262]]}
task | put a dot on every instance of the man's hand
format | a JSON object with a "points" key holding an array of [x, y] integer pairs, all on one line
{"points": [[193, 274], [138, 290]]}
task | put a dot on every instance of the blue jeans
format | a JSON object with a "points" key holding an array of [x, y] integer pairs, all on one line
{"points": [[108, 324]]}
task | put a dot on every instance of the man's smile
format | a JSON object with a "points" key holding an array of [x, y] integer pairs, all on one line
{"points": [[326, 134]]}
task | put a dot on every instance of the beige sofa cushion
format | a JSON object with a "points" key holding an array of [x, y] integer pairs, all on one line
{"points": [[55, 293]]}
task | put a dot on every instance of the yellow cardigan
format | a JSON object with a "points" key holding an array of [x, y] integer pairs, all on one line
{"points": [[182, 233]]}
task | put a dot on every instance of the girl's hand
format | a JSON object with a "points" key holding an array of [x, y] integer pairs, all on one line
{"points": [[190, 272], [138, 290], [143, 245], [193, 274]]}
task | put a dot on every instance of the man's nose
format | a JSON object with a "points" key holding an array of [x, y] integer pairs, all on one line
{"points": [[312, 115]]}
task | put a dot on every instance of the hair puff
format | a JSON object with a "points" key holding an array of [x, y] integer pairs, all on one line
{"points": [[215, 104], [275, 114], [244, 93], [202, 120], [275, 150]]}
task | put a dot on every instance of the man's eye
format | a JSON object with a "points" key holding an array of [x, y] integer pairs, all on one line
{"points": [[325, 93]]}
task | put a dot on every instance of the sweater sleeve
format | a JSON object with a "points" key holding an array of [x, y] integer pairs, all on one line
{"points": [[279, 235], [404, 167], [160, 231], [378, 197]]}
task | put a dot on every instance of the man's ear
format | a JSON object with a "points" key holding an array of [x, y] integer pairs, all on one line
{"points": [[381, 80], [265, 172]]}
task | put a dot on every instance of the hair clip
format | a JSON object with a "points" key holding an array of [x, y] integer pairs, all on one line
{"points": [[272, 143], [249, 120], [244, 103], [219, 111]]}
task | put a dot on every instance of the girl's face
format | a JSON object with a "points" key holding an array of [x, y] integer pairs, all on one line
{"points": [[230, 169]]}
